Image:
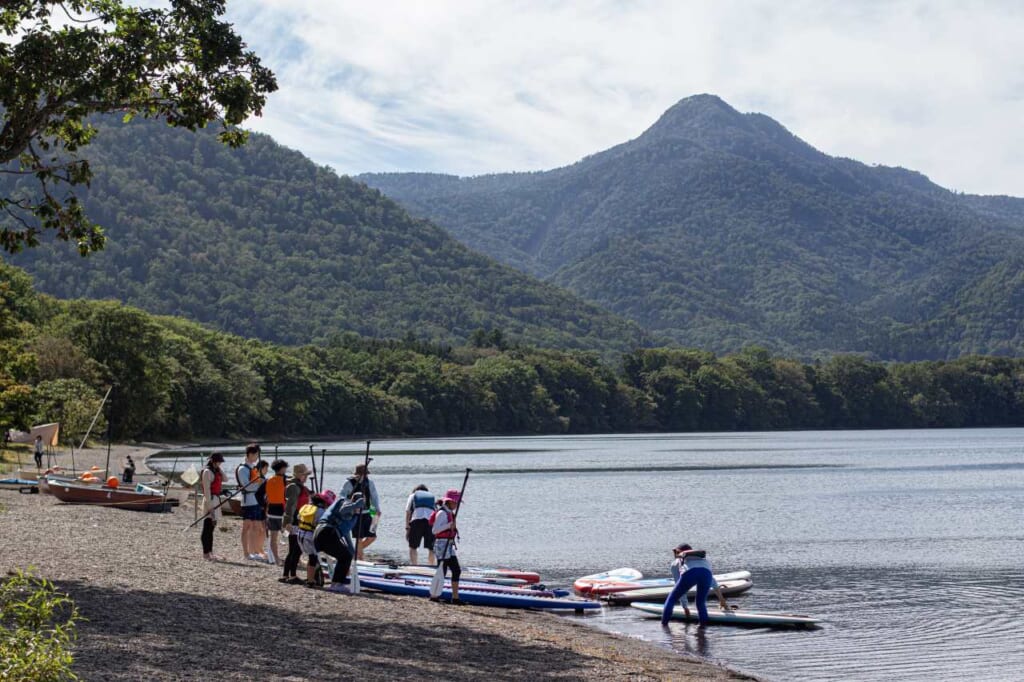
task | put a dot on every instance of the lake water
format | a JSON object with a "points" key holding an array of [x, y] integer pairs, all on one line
{"points": [[909, 544]]}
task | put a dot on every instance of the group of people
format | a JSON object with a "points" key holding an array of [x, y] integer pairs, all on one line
{"points": [[320, 521]]}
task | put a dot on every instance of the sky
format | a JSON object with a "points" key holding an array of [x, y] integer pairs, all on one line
{"points": [[471, 87]]}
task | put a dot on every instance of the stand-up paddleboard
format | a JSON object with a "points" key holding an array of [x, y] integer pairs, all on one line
{"points": [[614, 576], [729, 588], [467, 573], [736, 618], [526, 600], [595, 586], [532, 590]]}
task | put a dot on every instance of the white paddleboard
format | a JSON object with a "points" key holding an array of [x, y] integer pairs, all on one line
{"points": [[736, 618]]}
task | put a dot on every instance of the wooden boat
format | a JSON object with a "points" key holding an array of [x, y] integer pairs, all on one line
{"points": [[122, 498]]}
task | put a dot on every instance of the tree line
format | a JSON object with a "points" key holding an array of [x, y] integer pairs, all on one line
{"points": [[176, 379]]}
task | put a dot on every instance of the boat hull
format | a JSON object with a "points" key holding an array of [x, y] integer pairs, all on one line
{"points": [[74, 493]]}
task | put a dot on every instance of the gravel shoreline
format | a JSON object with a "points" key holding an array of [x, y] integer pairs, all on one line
{"points": [[156, 611]]}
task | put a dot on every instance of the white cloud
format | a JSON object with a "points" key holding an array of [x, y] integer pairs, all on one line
{"points": [[471, 87]]}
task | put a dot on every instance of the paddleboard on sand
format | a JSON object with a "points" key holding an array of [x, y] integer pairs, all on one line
{"points": [[728, 587], [497, 576], [735, 618], [526, 600]]}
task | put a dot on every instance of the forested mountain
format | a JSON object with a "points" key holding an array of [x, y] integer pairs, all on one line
{"points": [[261, 242], [720, 229]]}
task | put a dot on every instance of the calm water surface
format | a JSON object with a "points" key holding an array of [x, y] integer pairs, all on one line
{"points": [[909, 544]]}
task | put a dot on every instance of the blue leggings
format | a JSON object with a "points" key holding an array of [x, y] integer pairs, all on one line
{"points": [[701, 577]]}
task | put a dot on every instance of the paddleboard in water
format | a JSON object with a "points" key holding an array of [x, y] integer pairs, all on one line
{"points": [[736, 618], [616, 576], [503, 599], [728, 587], [620, 583]]}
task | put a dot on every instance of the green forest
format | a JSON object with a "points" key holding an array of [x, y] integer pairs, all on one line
{"points": [[174, 378]]}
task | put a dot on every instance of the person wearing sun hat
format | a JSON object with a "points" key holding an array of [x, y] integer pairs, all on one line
{"points": [[296, 495], [690, 568], [442, 524]]}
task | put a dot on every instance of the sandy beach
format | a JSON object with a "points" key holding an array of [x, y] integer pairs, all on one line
{"points": [[157, 611]]}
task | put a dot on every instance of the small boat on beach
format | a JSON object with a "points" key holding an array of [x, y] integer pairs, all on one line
{"points": [[128, 498]]}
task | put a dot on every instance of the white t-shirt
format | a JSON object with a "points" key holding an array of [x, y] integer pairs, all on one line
{"points": [[417, 512]]}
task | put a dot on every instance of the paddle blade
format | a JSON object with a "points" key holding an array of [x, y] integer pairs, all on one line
{"points": [[190, 476], [437, 584]]}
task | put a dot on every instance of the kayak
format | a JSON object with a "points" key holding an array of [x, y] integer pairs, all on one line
{"points": [[736, 618], [18, 484], [618, 575], [609, 586], [478, 598], [728, 587], [470, 573]]}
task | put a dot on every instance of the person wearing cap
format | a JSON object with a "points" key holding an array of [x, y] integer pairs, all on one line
{"points": [[445, 533], [212, 481], [417, 523], [359, 482], [296, 496], [332, 536], [690, 568]]}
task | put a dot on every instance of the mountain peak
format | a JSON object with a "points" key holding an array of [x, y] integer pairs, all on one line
{"points": [[697, 113]]}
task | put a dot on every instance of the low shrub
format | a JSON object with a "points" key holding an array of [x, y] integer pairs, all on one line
{"points": [[37, 630]]}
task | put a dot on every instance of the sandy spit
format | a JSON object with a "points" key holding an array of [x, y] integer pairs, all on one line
{"points": [[157, 611]]}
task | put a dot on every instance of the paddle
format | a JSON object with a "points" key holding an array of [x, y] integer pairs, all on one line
{"points": [[222, 503], [437, 584], [354, 586], [323, 467], [312, 458]]}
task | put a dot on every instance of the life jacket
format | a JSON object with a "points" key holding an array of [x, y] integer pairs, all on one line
{"points": [[301, 501], [217, 484], [261, 495], [308, 517], [275, 489], [448, 532], [421, 499]]}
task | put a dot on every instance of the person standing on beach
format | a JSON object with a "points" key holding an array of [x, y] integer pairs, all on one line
{"points": [[691, 567], [129, 470], [360, 482], [296, 496], [275, 492], [332, 536], [212, 481], [442, 524], [38, 451], [417, 523], [253, 530]]}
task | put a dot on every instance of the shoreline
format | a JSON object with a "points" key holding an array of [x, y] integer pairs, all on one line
{"points": [[157, 611]]}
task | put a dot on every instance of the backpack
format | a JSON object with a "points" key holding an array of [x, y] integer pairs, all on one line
{"points": [[261, 495], [307, 517]]}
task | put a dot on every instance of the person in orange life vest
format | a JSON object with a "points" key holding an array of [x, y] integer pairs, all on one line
{"points": [[296, 496], [442, 524], [212, 481], [274, 490], [247, 476]]}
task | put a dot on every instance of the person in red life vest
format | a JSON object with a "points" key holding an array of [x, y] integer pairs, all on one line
{"points": [[275, 486], [213, 482], [296, 496], [442, 524]]}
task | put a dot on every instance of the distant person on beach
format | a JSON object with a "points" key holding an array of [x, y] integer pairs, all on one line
{"points": [[690, 568], [442, 525], [333, 536], [129, 470], [275, 487], [38, 451], [247, 476], [212, 481], [359, 482], [296, 496], [417, 523]]}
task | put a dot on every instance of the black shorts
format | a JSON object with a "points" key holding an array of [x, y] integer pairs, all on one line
{"points": [[362, 529], [419, 531], [253, 512]]}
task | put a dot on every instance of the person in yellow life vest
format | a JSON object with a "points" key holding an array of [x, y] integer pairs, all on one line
{"points": [[275, 487]]}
